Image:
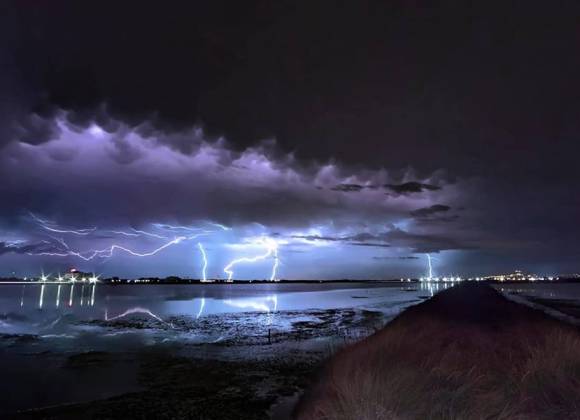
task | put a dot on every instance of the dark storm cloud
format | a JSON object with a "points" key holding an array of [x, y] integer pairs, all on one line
{"points": [[427, 243], [395, 237], [92, 177], [411, 187], [317, 238], [406, 257], [350, 84], [475, 106], [429, 211], [370, 244], [348, 187]]}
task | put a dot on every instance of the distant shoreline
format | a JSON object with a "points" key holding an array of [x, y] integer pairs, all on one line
{"points": [[170, 281]]}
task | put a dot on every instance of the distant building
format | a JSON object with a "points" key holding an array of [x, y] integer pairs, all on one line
{"points": [[517, 275], [75, 275]]}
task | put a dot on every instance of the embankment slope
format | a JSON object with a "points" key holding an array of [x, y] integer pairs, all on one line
{"points": [[467, 353]]}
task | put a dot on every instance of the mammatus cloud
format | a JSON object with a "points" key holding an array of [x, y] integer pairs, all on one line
{"points": [[405, 188], [126, 177], [119, 178], [348, 187]]}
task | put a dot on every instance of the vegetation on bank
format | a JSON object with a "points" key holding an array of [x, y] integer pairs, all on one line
{"points": [[468, 353]]}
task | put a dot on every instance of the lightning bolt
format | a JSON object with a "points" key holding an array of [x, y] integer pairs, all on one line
{"points": [[430, 266], [109, 252], [136, 233], [153, 235], [204, 256], [171, 227], [271, 251], [60, 241], [276, 264], [120, 232], [219, 225], [53, 227]]}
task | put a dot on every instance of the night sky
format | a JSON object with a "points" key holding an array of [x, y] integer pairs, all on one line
{"points": [[357, 136]]}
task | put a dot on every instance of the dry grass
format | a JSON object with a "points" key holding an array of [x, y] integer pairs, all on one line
{"points": [[428, 365]]}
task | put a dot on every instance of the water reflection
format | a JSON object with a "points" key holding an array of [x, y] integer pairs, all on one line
{"points": [[136, 310], [41, 296], [43, 291], [72, 291], [267, 304], [225, 300], [433, 287], [201, 306], [71, 308]]}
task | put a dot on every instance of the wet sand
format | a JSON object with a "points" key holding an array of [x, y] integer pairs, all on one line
{"points": [[259, 366]]}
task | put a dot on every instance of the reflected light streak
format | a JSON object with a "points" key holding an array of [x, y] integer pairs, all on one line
{"points": [[201, 306], [41, 296], [70, 299], [256, 304], [58, 295], [136, 310]]}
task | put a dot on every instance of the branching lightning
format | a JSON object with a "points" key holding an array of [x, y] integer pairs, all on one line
{"points": [[171, 227], [63, 249], [271, 251], [109, 252], [120, 232], [136, 233], [153, 235], [53, 227]]}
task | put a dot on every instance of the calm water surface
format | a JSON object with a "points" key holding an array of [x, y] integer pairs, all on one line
{"points": [[50, 308], [545, 290], [43, 327]]}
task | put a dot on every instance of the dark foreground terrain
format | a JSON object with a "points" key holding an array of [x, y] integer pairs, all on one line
{"points": [[255, 371], [468, 353]]}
